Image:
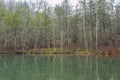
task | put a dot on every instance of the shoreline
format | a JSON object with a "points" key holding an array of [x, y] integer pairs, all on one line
{"points": [[69, 54], [71, 51]]}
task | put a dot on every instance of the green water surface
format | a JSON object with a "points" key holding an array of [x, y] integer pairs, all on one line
{"points": [[58, 67]]}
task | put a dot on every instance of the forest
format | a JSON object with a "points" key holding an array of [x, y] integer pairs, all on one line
{"points": [[91, 25]]}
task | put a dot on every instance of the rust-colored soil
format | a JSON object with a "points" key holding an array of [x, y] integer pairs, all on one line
{"points": [[109, 51]]}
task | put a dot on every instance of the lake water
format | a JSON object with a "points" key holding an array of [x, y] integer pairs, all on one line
{"points": [[58, 67]]}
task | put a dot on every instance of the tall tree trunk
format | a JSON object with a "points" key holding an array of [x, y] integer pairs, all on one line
{"points": [[91, 25], [111, 28], [23, 40], [97, 26], [15, 41], [36, 41], [84, 28], [68, 42], [53, 35], [61, 34]]}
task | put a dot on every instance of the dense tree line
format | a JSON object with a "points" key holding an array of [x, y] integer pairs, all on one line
{"points": [[89, 25]]}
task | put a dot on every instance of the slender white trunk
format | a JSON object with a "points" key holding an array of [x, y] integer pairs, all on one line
{"points": [[84, 28], [23, 41], [15, 42], [91, 24], [5, 45], [36, 42], [97, 26], [61, 36], [54, 38], [68, 33]]}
